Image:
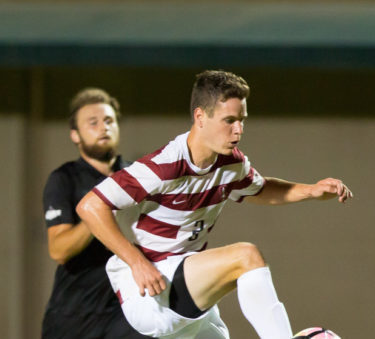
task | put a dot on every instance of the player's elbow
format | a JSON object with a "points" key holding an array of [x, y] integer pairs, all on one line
{"points": [[60, 261], [58, 256], [89, 206], [83, 208], [80, 209]]}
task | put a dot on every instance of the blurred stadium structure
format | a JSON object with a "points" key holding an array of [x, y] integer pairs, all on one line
{"points": [[183, 34]]}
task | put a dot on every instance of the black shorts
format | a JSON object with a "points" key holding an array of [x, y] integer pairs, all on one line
{"points": [[108, 326], [180, 299]]}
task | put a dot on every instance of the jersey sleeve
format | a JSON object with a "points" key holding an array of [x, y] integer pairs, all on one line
{"points": [[129, 186], [57, 200], [251, 183]]}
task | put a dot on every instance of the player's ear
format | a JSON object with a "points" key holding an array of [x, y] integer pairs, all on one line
{"points": [[74, 135], [199, 114]]}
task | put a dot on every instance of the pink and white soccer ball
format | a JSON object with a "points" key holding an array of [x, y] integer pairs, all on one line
{"points": [[316, 333]]}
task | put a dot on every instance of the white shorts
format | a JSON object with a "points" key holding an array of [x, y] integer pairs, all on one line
{"points": [[151, 315]]}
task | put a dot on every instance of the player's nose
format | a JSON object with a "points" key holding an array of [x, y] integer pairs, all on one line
{"points": [[104, 126], [238, 127]]}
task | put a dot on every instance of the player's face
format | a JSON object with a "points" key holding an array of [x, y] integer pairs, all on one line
{"points": [[98, 131], [224, 129]]}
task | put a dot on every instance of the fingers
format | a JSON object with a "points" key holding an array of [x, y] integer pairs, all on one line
{"points": [[344, 193], [151, 282], [142, 291], [337, 188], [156, 287]]}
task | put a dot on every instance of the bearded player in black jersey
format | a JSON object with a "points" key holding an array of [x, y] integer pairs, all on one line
{"points": [[83, 304]]}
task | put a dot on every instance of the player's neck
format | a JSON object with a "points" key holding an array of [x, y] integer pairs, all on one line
{"points": [[104, 167], [200, 155]]}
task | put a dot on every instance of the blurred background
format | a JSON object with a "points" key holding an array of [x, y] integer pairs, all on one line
{"points": [[311, 68]]}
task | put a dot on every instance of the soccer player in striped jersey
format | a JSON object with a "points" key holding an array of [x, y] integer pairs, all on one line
{"points": [[167, 281]]}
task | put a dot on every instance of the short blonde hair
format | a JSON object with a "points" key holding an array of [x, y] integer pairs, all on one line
{"points": [[88, 96]]}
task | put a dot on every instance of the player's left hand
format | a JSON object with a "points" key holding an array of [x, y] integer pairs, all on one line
{"points": [[330, 188]]}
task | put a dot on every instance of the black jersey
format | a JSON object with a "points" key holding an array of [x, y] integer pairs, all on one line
{"points": [[81, 287]]}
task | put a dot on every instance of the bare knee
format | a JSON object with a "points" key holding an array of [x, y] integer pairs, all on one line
{"points": [[248, 257]]}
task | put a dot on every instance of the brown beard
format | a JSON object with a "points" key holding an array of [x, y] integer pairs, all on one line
{"points": [[101, 153]]}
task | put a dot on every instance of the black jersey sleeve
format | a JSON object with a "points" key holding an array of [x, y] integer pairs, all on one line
{"points": [[58, 201]]}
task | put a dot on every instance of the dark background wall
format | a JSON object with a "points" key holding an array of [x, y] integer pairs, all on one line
{"points": [[276, 91]]}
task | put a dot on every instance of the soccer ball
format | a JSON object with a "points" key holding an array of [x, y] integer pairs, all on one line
{"points": [[316, 333]]}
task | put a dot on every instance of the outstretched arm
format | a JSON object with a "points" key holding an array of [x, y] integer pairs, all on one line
{"points": [[99, 218], [278, 191]]}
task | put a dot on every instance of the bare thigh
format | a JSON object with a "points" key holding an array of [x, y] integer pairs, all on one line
{"points": [[213, 273]]}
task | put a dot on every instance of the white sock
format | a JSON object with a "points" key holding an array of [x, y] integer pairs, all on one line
{"points": [[260, 305]]}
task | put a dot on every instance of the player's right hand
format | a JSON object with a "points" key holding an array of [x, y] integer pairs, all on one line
{"points": [[148, 277]]}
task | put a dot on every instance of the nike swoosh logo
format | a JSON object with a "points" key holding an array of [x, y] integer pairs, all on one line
{"points": [[174, 202]]}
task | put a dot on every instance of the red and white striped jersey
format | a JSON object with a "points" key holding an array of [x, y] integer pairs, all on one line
{"points": [[177, 202]]}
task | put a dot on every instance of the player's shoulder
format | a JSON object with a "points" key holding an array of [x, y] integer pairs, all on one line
{"points": [[175, 151], [64, 173], [66, 168], [168, 153], [166, 162], [151, 157]]}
